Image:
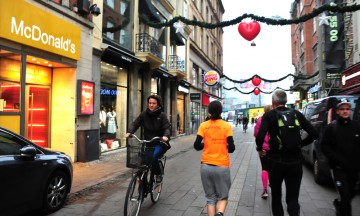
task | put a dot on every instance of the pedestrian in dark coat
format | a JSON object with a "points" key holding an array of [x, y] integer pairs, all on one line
{"points": [[285, 167], [341, 146]]}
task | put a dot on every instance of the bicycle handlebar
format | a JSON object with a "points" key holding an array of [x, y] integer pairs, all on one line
{"points": [[146, 141]]}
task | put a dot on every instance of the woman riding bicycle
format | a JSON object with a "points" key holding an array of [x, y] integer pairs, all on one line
{"points": [[155, 124]]}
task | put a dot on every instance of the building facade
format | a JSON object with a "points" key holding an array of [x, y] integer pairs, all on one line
{"points": [[327, 48], [206, 54]]}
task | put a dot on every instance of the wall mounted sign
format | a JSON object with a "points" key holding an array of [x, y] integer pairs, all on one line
{"points": [[39, 28], [85, 97], [211, 78]]}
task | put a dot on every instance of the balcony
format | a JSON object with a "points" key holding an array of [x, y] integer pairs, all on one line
{"points": [[148, 49], [177, 67]]}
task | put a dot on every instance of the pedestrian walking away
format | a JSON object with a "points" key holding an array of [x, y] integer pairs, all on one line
{"points": [[285, 159], [341, 146], [155, 124], [263, 156], [215, 160]]}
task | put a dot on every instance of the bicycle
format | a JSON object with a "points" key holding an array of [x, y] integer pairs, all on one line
{"points": [[143, 182]]}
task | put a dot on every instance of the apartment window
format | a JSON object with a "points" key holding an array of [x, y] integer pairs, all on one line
{"points": [[110, 3], [207, 14], [314, 24], [185, 9], [301, 36], [316, 62], [110, 35], [207, 45], [194, 33], [201, 37], [302, 64], [123, 6], [301, 6], [201, 6], [211, 51], [122, 36]]}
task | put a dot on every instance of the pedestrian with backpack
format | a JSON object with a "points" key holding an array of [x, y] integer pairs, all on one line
{"points": [[341, 146], [285, 159], [264, 156]]}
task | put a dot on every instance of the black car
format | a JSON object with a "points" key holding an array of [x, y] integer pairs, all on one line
{"points": [[320, 113], [31, 178]]}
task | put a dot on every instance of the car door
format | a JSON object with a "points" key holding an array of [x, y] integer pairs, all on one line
{"points": [[21, 177]]}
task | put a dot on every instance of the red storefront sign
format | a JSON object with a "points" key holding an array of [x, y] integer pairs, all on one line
{"points": [[206, 99], [350, 80]]}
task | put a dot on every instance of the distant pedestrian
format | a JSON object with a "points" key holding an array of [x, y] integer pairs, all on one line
{"points": [[215, 160], [285, 152], [263, 156], [341, 145], [245, 121], [252, 121]]}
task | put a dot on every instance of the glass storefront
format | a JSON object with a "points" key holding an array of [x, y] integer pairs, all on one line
{"points": [[194, 117], [113, 107], [36, 104]]}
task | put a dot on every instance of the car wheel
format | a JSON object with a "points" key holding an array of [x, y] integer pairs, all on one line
{"points": [[56, 191]]}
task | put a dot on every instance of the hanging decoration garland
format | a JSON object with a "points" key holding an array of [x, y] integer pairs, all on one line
{"points": [[300, 77], [257, 90], [269, 21]]}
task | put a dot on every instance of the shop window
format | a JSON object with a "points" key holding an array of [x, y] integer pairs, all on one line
{"points": [[9, 96], [10, 70]]}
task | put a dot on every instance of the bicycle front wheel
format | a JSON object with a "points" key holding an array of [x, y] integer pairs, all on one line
{"points": [[156, 188], [134, 197]]}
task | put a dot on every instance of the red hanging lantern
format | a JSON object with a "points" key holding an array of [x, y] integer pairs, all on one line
{"points": [[256, 91], [256, 81]]}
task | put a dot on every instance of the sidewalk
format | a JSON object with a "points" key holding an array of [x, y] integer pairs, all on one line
{"points": [[113, 164]]}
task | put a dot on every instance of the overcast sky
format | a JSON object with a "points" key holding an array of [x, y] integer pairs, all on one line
{"points": [[271, 57]]}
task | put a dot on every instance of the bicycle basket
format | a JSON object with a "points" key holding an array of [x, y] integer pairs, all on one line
{"points": [[136, 158]]}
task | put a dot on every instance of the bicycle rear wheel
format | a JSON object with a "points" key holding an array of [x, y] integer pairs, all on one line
{"points": [[134, 197], [156, 188]]}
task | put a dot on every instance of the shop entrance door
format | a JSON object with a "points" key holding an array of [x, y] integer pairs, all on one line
{"points": [[37, 111]]}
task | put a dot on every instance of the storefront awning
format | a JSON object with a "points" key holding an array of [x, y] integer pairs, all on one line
{"points": [[117, 56], [147, 8], [350, 91]]}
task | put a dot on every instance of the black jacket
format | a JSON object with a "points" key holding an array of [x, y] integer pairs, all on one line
{"points": [[155, 123], [341, 144], [269, 124]]}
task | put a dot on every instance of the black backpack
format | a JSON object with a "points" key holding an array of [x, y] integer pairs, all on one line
{"points": [[288, 137]]}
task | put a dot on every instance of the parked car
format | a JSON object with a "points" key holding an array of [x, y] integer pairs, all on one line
{"points": [[320, 113], [32, 178]]}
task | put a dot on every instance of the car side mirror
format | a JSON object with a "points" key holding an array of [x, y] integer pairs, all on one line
{"points": [[28, 151]]}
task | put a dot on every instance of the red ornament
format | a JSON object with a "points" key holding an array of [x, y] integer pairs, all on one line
{"points": [[256, 81], [256, 91], [249, 31]]}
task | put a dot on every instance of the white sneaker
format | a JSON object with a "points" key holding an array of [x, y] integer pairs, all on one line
{"points": [[265, 194]]}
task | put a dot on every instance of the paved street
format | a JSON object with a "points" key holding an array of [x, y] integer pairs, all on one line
{"points": [[183, 193]]}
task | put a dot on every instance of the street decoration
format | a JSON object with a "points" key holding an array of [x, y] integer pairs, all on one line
{"points": [[300, 77], [252, 91], [256, 81], [256, 91], [211, 78], [269, 21], [249, 31], [179, 26], [323, 19]]}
